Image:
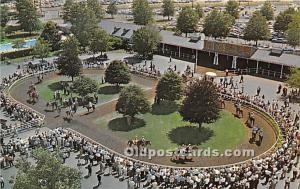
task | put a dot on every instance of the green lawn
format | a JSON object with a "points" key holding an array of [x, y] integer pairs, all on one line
{"points": [[166, 130], [106, 91]]}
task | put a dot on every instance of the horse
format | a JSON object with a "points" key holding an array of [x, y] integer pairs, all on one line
{"points": [[33, 95], [143, 143], [239, 112], [88, 107], [130, 143], [53, 105], [222, 102], [184, 151]]}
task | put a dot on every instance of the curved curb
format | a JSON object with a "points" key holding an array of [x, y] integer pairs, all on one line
{"points": [[277, 131]]}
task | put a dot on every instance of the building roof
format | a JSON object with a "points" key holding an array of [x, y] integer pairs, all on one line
{"points": [[284, 59], [169, 38], [119, 29], [125, 30]]}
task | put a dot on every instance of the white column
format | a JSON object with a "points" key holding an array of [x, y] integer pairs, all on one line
{"points": [[179, 52], [257, 66], [163, 48], [216, 59], [195, 67], [281, 71], [233, 64]]}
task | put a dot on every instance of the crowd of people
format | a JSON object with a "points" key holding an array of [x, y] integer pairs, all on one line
{"points": [[267, 170], [98, 62], [275, 165], [21, 117], [145, 69]]}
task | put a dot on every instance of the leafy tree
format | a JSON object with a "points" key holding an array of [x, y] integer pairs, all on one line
{"points": [[142, 12], [132, 101], [68, 62], [99, 41], [112, 9], [96, 7], [69, 66], [168, 8], [4, 18], [267, 11], [41, 49], [27, 15], [117, 73], [218, 24], [83, 22], [18, 43], [67, 10], [84, 86], [283, 19], [115, 42], [201, 104], [145, 41], [51, 35], [199, 10], [293, 35], [294, 78], [293, 32], [232, 8], [256, 28], [70, 47], [47, 173], [187, 21], [169, 87]]}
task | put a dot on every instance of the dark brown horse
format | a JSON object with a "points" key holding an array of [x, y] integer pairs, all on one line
{"points": [[139, 143], [144, 143]]}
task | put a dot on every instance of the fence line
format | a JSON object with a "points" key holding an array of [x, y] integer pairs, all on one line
{"points": [[218, 166], [24, 125], [155, 164]]}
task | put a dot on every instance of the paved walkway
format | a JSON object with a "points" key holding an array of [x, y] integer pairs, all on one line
{"points": [[251, 83], [108, 182]]}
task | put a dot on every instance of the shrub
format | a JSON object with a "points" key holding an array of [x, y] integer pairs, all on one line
{"points": [[16, 54], [21, 35]]}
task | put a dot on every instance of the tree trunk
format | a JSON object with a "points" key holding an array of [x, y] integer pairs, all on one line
{"points": [[200, 126], [185, 34], [128, 120], [168, 17], [72, 78], [256, 43]]}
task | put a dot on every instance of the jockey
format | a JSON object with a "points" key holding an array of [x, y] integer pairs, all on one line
{"points": [[90, 104], [187, 148], [143, 140], [135, 140]]}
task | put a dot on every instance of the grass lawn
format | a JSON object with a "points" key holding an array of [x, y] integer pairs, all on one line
{"points": [[105, 94], [166, 130]]}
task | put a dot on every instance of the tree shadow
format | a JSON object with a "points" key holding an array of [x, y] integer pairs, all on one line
{"points": [[120, 124], [133, 59], [110, 89], [190, 135], [164, 108], [56, 86]]}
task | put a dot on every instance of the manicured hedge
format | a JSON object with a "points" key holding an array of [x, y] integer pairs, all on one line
{"points": [[11, 29], [21, 35], [16, 54]]}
